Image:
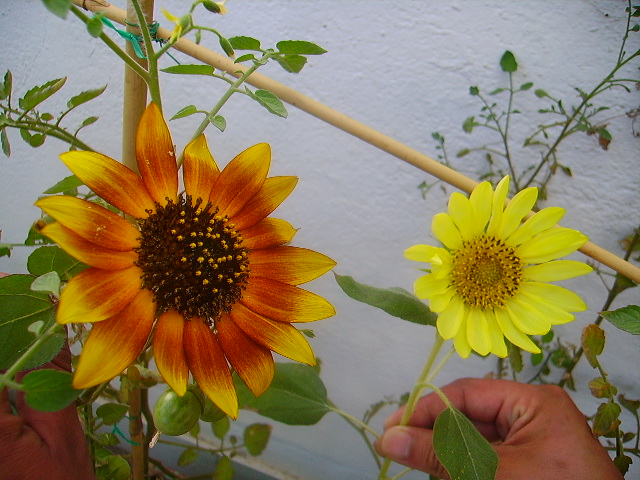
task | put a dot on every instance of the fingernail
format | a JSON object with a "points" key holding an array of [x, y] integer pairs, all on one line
{"points": [[396, 443]]}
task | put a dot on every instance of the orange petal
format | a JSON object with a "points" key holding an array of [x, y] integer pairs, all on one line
{"points": [[92, 222], [199, 169], [88, 252], [169, 352], [273, 192], [282, 338], [209, 366], [269, 232], [114, 344], [95, 294], [292, 265], [252, 361], [241, 179], [155, 156], [284, 303], [117, 184]]}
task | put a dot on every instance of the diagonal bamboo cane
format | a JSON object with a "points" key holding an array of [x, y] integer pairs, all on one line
{"points": [[347, 124]]}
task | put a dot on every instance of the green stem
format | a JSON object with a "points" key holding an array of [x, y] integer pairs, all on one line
{"points": [[425, 376], [354, 420], [151, 78]]}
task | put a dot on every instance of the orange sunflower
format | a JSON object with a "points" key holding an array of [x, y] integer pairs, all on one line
{"points": [[203, 275]]}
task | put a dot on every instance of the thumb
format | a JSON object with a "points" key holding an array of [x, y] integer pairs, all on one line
{"points": [[411, 446]]}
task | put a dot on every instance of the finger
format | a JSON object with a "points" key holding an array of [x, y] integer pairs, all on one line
{"points": [[412, 447]]}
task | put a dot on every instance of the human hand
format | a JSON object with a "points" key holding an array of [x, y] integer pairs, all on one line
{"points": [[536, 430], [42, 445]]}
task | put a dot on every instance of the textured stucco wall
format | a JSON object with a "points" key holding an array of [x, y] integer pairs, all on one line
{"points": [[403, 68]]}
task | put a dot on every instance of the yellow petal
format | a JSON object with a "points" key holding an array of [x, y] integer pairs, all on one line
{"points": [[445, 230], [497, 206], [251, 361], [88, 252], [554, 271], [92, 222], [461, 343], [452, 318], [513, 334], [424, 253], [117, 184], [241, 179], [538, 222], [114, 344], [462, 214], [498, 346], [280, 337], [272, 193], [269, 232], [199, 169], [284, 303], [553, 313], [478, 334], [95, 295], [292, 265], [168, 351], [527, 317], [156, 157], [551, 244], [209, 366], [556, 295], [518, 207], [429, 285], [481, 200], [439, 302]]}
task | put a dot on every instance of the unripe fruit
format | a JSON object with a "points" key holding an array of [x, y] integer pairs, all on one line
{"points": [[175, 415]]}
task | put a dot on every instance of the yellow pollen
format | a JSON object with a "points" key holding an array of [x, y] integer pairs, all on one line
{"points": [[205, 282], [200, 259], [192, 245], [183, 259], [180, 237], [198, 273], [193, 234], [173, 231]]}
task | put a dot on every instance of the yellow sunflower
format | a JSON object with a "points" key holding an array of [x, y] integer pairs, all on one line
{"points": [[204, 275], [489, 280]]}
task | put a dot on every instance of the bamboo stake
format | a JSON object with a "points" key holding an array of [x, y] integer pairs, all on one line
{"points": [[349, 125]]}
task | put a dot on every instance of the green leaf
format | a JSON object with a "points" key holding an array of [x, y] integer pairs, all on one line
{"points": [[53, 259], [113, 467], [49, 283], [244, 58], [224, 469], [256, 437], [271, 102], [185, 112], [625, 318], [296, 396], [190, 69], [540, 93], [526, 86], [606, 418], [6, 86], [64, 185], [292, 63], [592, 343], [515, 358], [37, 95], [4, 141], [469, 124], [85, 97], [20, 307], [58, 7], [299, 47], [395, 301], [219, 122], [600, 388], [220, 427], [49, 390], [474, 91], [244, 43], [112, 413], [508, 62], [94, 25], [88, 121], [461, 449], [187, 457], [226, 46]]}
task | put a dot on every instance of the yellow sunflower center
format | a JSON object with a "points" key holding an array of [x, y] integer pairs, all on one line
{"points": [[192, 259], [486, 272]]}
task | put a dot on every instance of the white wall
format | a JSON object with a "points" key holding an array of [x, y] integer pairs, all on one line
{"points": [[403, 68]]}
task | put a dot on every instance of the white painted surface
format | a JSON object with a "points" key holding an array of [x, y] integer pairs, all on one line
{"points": [[403, 68]]}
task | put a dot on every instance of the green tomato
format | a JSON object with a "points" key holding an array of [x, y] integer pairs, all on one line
{"points": [[175, 415]]}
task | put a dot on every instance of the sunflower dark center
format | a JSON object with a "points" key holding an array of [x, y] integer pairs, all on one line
{"points": [[486, 272], [192, 259]]}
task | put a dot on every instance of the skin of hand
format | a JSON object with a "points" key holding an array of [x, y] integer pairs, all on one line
{"points": [[42, 445], [536, 430]]}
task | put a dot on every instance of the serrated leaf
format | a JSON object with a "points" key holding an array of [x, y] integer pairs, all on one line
{"points": [[394, 301], [299, 47], [592, 343], [296, 396], [190, 69], [256, 437], [187, 457], [292, 63], [508, 62], [244, 43], [37, 95], [600, 388], [606, 418], [59, 8], [21, 307], [461, 449], [49, 390], [224, 469], [53, 259], [64, 185], [271, 102], [185, 112], [625, 318], [85, 97], [112, 413]]}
